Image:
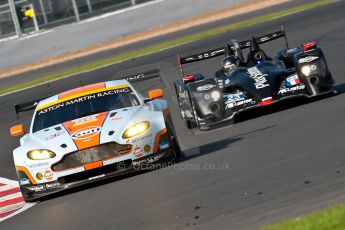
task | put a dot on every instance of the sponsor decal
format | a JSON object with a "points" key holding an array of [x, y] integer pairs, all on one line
{"points": [[85, 120], [260, 78], [51, 108], [263, 39], [164, 145], [289, 51], [84, 98], [24, 181], [44, 187], [37, 188], [55, 135], [39, 165], [147, 148], [233, 97], [287, 90], [48, 175], [52, 185], [86, 133], [205, 87], [238, 103], [135, 140], [96, 177], [307, 59], [86, 136], [136, 77], [205, 55], [138, 152], [293, 80], [155, 158], [148, 160], [117, 119]]}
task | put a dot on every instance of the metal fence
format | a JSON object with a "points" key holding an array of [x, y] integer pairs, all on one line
{"points": [[50, 13]]}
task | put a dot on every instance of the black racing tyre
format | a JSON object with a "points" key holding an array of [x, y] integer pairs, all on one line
{"points": [[27, 198], [176, 150], [192, 123]]}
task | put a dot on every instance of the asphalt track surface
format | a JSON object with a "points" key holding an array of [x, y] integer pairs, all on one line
{"points": [[242, 176]]}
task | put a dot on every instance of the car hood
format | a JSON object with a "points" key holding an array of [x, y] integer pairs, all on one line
{"points": [[87, 131]]}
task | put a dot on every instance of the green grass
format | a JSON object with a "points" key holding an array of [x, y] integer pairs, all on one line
{"points": [[329, 219], [166, 45]]}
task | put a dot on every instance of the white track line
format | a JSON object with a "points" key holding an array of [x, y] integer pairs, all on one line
{"points": [[121, 11]]}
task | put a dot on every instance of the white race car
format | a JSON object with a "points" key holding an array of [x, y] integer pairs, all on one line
{"points": [[91, 133]]}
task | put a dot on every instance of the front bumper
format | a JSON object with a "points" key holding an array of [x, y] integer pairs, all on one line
{"points": [[35, 192], [207, 124]]}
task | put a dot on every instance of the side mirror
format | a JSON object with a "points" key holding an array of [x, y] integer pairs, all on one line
{"points": [[155, 94], [18, 130]]}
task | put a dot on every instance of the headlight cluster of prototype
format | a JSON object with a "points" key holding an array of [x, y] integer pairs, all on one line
{"points": [[215, 95], [307, 70]]}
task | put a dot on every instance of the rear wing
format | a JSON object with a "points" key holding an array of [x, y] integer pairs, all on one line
{"points": [[145, 75], [220, 51], [26, 106]]}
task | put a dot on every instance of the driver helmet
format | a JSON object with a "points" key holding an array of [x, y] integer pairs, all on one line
{"points": [[230, 63]]}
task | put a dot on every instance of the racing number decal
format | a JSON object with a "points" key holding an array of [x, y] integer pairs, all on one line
{"points": [[86, 131]]}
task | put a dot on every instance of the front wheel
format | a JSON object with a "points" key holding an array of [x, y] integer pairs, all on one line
{"points": [[175, 149], [27, 198], [192, 122]]}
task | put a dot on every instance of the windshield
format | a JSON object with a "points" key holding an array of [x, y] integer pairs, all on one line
{"points": [[83, 106]]}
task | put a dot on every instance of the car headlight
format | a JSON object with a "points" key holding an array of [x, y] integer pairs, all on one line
{"points": [[215, 95], [308, 69], [40, 154], [136, 129]]}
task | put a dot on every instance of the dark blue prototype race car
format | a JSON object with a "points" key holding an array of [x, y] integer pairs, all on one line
{"points": [[258, 81]]}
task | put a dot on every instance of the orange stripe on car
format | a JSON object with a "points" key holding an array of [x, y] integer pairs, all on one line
{"points": [[158, 135], [27, 173], [93, 165], [86, 135], [81, 94]]}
